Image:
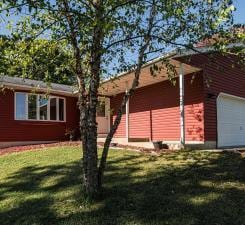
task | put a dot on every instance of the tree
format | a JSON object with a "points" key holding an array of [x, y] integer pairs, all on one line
{"points": [[102, 34], [46, 60]]}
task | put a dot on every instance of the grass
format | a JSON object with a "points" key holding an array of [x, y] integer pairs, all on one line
{"points": [[183, 188]]}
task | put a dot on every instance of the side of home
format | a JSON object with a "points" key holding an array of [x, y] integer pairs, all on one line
{"points": [[28, 115], [224, 102], [214, 105], [154, 112], [203, 106]]}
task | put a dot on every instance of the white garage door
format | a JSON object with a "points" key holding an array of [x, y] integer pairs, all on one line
{"points": [[231, 120]]}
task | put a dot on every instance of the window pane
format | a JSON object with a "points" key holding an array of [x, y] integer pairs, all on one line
{"points": [[61, 109], [20, 106], [53, 109], [43, 108], [101, 109], [32, 107]]}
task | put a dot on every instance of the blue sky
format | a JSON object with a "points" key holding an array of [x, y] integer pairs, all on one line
{"points": [[240, 11]]}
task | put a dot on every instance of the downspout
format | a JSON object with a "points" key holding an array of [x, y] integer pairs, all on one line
{"points": [[182, 106]]}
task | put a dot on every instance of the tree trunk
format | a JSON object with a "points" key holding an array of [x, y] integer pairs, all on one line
{"points": [[90, 147], [88, 98], [126, 97]]}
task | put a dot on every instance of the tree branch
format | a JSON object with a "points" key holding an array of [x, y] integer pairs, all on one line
{"points": [[143, 48], [119, 5], [122, 40]]}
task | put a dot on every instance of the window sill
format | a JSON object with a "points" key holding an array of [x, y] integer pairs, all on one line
{"points": [[40, 121]]}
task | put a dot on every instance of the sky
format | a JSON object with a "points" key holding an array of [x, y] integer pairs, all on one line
{"points": [[239, 15]]}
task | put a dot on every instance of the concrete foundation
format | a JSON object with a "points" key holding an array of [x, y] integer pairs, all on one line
{"points": [[175, 145]]}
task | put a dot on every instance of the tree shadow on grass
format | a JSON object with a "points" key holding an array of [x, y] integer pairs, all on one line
{"points": [[33, 197], [206, 190]]}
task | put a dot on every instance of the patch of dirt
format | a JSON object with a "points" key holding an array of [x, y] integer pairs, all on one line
{"points": [[8, 150]]}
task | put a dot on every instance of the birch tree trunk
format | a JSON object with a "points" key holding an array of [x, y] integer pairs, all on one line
{"points": [[127, 95], [90, 146]]}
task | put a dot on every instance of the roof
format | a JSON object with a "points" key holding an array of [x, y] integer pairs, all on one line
{"points": [[28, 84], [119, 83]]}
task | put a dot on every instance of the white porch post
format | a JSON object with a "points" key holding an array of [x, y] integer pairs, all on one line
{"points": [[182, 105], [109, 113], [127, 113]]}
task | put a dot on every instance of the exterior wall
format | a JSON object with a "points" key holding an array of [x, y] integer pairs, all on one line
{"points": [[12, 130], [114, 105], [154, 111], [219, 76]]}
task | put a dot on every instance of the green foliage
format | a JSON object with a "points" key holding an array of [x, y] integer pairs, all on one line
{"points": [[40, 59], [235, 37], [123, 24]]}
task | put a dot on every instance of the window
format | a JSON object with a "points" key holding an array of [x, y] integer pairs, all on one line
{"points": [[20, 109], [32, 107], [61, 109], [39, 107], [101, 109], [43, 108], [53, 109]]}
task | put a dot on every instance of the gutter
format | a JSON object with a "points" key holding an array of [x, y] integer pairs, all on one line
{"points": [[49, 90]]}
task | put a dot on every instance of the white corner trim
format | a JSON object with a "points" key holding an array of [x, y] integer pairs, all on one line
{"points": [[182, 104], [109, 113]]}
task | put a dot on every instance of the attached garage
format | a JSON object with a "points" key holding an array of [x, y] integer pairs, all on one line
{"points": [[231, 120]]}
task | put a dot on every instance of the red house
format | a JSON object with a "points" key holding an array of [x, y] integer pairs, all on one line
{"points": [[204, 106], [29, 116]]}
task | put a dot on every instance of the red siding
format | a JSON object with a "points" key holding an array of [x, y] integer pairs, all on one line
{"points": [[219, 76], [15, 131], [115, 103], [154, 111]]}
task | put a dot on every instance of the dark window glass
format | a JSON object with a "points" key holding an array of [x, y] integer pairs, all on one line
{"points": [[20, 106], [101, 109], [43, 107], [32, 107], [61, 109], [53, 109]]}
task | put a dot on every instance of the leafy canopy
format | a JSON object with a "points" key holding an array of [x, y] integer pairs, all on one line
{"points": [[178, 23], [40, 59]]}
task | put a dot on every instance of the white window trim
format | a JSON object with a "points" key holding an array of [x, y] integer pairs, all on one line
{"points": [[38, 108]]}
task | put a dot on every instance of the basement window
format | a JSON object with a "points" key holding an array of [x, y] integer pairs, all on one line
{"points": [[39, 107]]}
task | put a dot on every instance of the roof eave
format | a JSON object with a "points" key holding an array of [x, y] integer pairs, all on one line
{"points": [[37, 89], [175, 54]]}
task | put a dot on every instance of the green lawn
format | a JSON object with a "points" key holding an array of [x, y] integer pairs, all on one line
{"points": [[184, 188]]}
